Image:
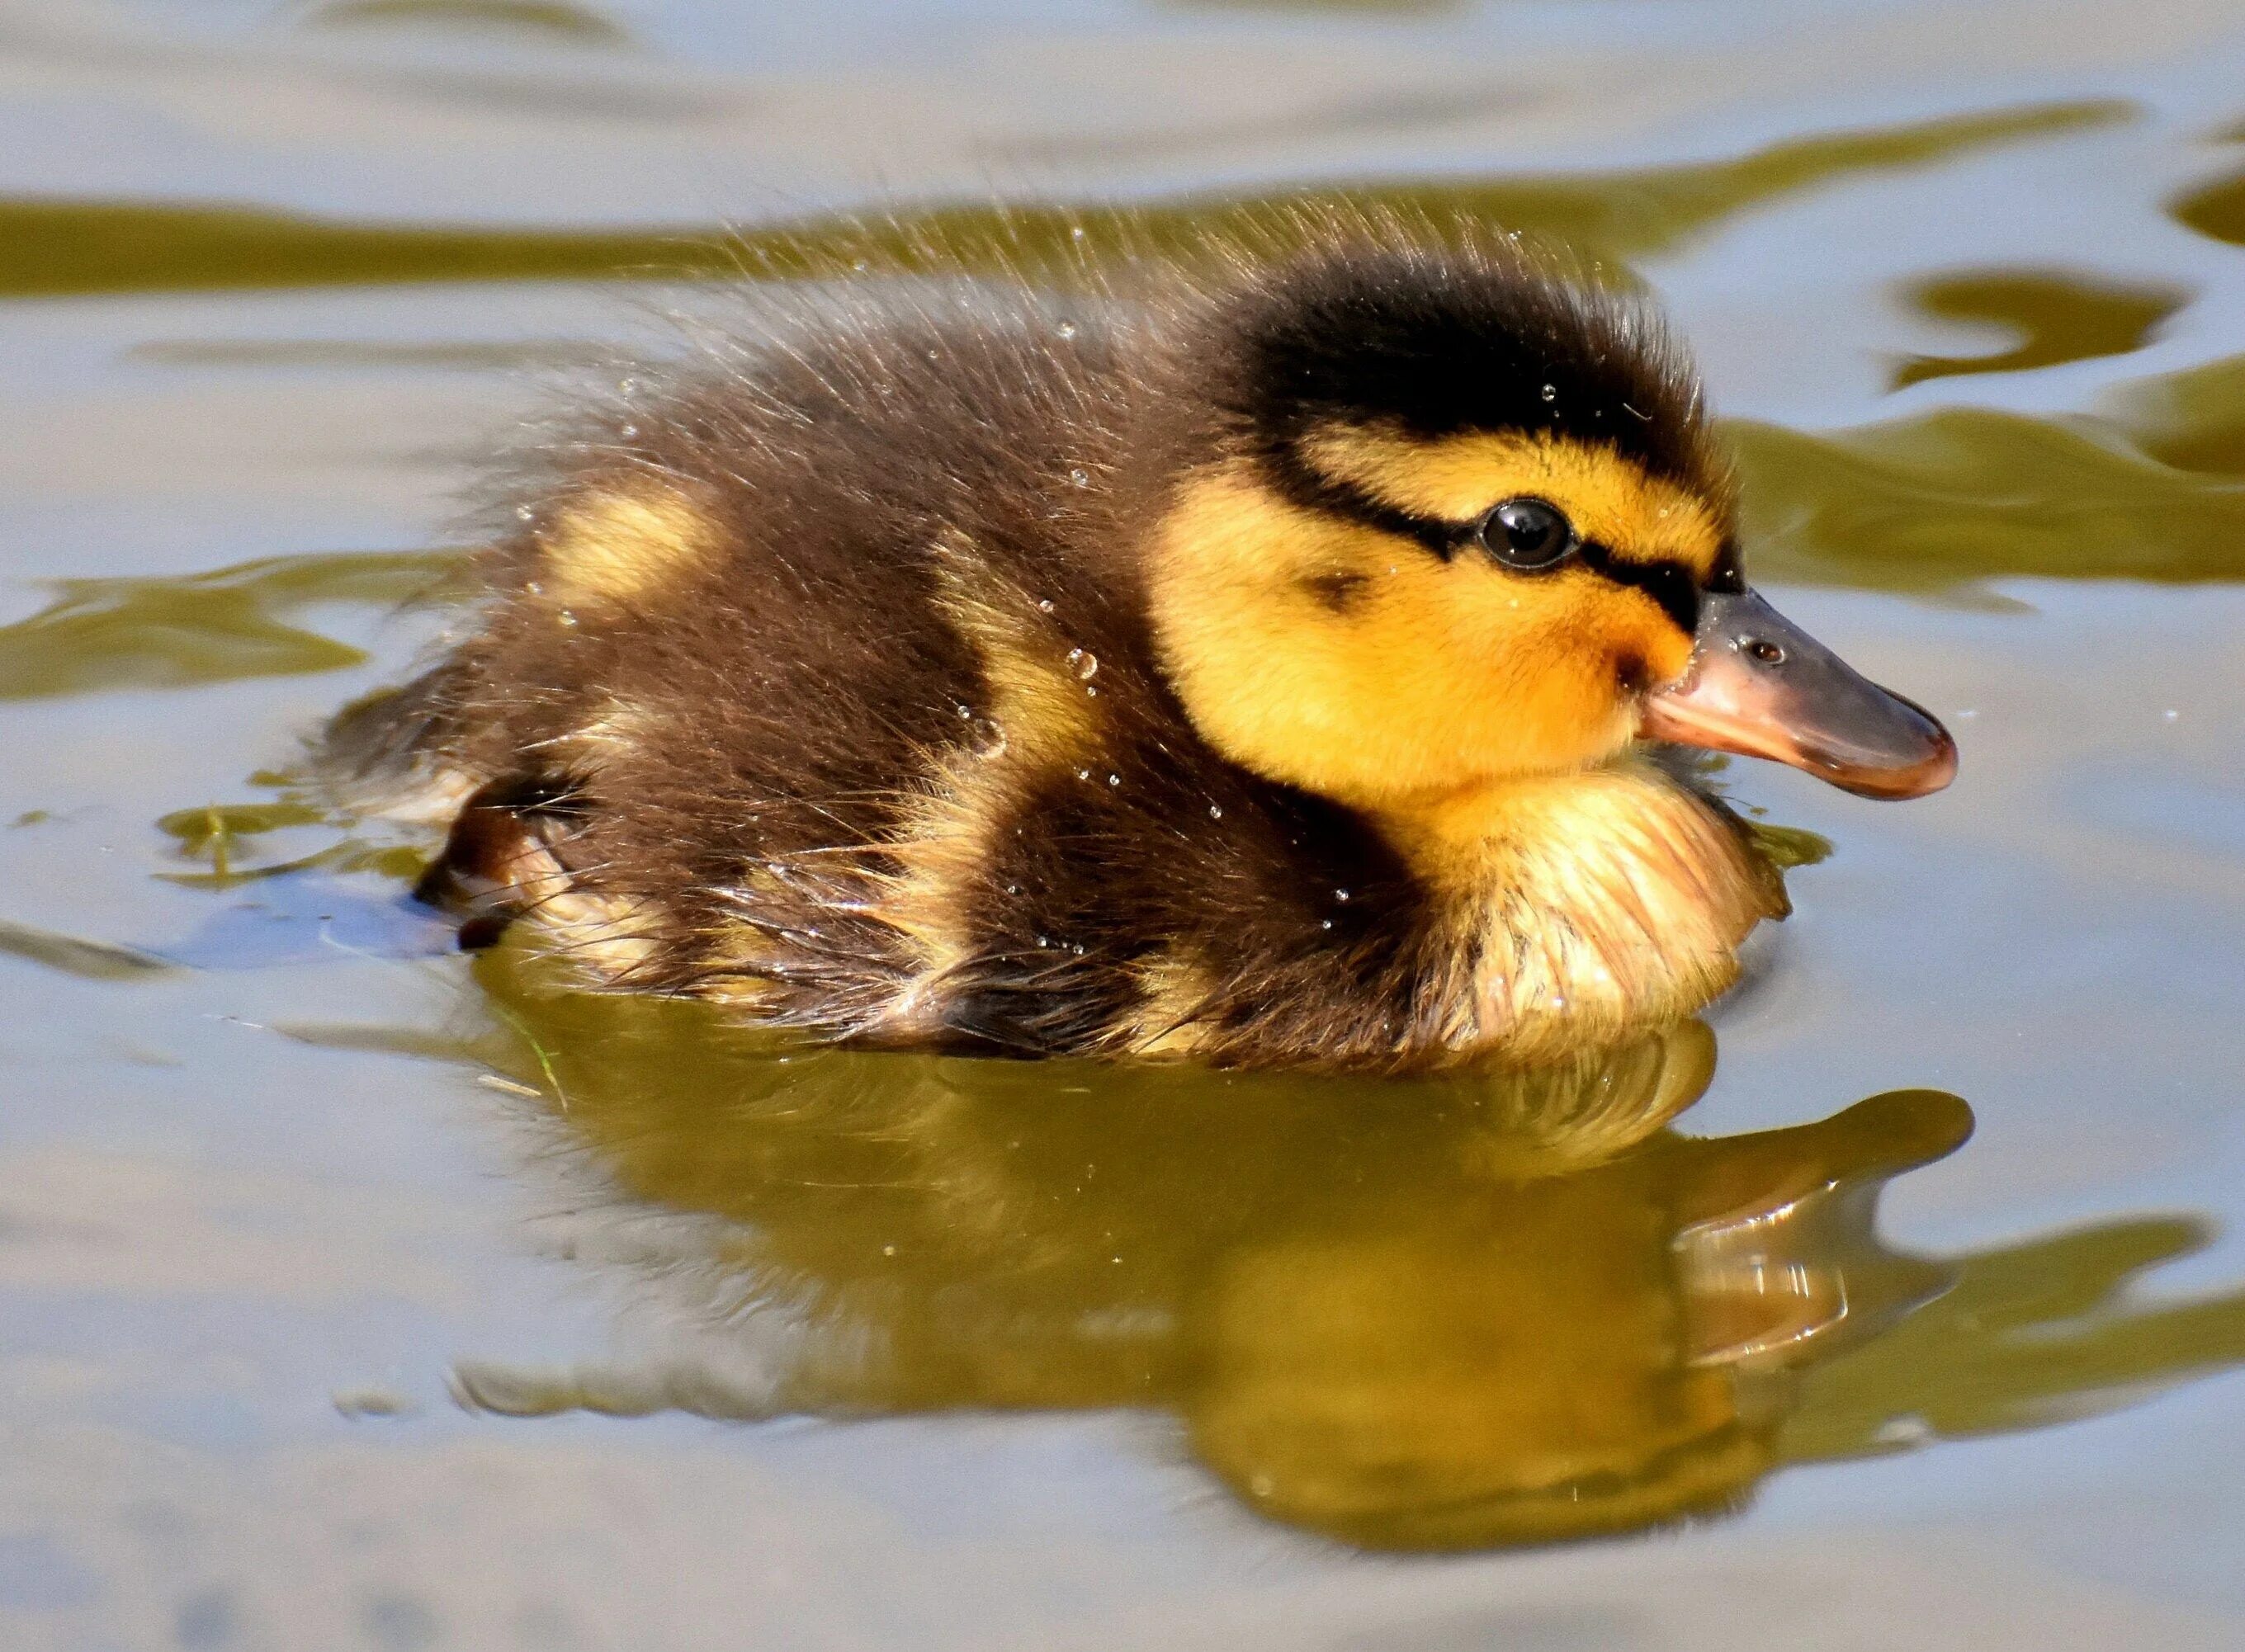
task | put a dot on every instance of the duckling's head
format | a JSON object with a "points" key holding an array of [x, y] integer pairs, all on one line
{"points": [[1452, 515]]}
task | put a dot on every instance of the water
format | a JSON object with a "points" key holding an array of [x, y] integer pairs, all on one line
{"points": [[360, 1295]]}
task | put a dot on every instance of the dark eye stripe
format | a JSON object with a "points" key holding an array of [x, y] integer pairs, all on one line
{"points": [[1670, 583], [1298, 483]]}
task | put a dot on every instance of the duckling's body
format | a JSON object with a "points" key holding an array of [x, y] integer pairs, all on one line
{"points": [[1035, 674]]}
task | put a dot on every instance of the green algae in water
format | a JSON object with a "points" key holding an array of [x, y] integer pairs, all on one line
{"points": [[200, 830], [1788, 848], [223, 836]]}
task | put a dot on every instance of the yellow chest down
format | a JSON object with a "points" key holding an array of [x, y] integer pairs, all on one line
{"points": [[1583, 907]]}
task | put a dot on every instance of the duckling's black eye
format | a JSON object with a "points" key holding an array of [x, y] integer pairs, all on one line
{"points": [[1526, 533]]}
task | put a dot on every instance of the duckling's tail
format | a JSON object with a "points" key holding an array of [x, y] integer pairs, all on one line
{"points": [[383, 755], [390, 729]]}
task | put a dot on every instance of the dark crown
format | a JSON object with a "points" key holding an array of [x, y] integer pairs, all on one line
{"points": [[1434, 338]]}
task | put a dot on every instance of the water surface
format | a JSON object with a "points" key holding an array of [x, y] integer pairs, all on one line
{"points": [[363, 1294]]}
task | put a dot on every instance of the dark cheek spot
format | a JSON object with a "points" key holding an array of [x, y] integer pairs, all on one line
{"points": [[1631, 675], [1336, 593]]}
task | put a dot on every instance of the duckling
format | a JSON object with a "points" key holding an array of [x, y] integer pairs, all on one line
{"points": [[1250, 665]]}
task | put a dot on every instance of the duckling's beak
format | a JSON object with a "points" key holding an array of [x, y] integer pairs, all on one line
{"points": [[1761, 687]]}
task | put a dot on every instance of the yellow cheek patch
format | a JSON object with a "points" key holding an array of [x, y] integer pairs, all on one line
{"points": [[1455, 478], [1430, 675], [621, 545]]}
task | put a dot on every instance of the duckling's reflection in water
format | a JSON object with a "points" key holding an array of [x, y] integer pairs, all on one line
{"points": [[1433, 1315]]}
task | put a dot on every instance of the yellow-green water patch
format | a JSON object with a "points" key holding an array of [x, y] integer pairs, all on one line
{"points": [[72, 955], [2041, 1333], [1371, 1309], [2215, 209], [2194, 420], [2059, 316], [535, 19], [174, 631], [1960, 496], [50, 246]]}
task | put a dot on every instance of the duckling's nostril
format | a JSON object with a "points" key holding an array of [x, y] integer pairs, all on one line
{"points": [[1762, 650]]}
